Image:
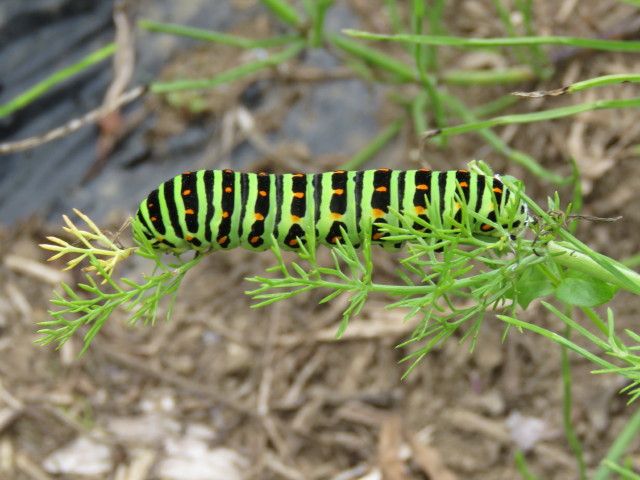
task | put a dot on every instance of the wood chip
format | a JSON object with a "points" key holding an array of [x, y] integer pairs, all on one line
{"points": [[468, 421], [7, 458], [389, 443], [19, 302], [429, 460], [139, 468], [28, 466], [34, 269], [277, 466], [7, 417], [357, 412], [384, 325]]}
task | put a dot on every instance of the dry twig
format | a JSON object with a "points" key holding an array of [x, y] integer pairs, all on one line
{"points": [[72, 126]]}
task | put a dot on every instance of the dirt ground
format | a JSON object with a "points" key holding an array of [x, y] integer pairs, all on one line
{"points": [[223, 391]]}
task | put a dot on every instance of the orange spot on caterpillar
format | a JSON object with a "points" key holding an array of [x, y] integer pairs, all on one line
{"points": [[298, 194], [424, 170], [186, 192], [464, 184], [189, 211], [188, 238], [422, 186], [463, 171], [293, 242], [225, 214], [153, 219], [298, 175], [221, 240], [377, 213], [381, 189], [336, 216], [485, 227], [338, 191], [336, 239], [377, 235], [259, 216], [228, 189], [419, 209], [186, 172], [263, 174], [383, 169], [295, 218], [262, 193], [149, 205], [338, 171], [497, 190], [228, 170], [255, 239]]}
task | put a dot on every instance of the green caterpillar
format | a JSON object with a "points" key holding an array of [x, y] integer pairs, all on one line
{"points": [[221, 209]]}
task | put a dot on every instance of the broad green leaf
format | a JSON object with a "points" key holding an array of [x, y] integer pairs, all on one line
{"points": [[582, 290], [532, 284]]}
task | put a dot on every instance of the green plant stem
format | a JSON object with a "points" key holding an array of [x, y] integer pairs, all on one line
{"points": [[424, 57], [488, 77], [539, 116], [216, 37], [495, 106], [603, 80], [302, 284], [396, 290], [559, 339], [418, 106], [619, 446], [570, 257], [596, 320], [592, 43], [498, 144], [376, 58], [538, 57], [618, 274], [453, 77], [505, 17], [284, 11], [228, 75], [434, 15], [394, 15], [373, 147], [319, 10], [624, 473], [567, 403], [583, 85], [51, 81], [523, 468]]}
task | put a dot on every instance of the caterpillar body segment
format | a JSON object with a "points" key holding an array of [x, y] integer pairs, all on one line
{"points": [[222, 209]]}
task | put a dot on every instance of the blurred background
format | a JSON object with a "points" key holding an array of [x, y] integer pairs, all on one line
{"points": [[226, 392]]}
